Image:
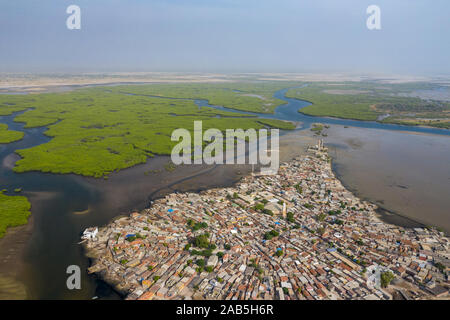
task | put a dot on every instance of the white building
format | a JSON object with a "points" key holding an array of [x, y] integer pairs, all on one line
{"points": [[90, 233]]}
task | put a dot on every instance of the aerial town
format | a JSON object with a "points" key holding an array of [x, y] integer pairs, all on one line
{"points": [[297, 235]]}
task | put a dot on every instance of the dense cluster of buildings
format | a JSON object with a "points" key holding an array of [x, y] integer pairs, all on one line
{"points": [[295, 235]]}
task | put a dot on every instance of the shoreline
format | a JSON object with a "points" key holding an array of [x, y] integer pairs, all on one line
{"points": [[100, 250], [383, 212], [379, 122], [387, 215], [40, 79]]}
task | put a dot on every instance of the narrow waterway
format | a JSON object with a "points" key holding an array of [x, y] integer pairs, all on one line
{"points": [[290, 112]]}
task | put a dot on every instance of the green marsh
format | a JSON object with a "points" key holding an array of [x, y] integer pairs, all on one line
{"points": [[96, 131]]}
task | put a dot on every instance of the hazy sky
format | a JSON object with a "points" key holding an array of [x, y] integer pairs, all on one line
{"points": [[226, 36]]}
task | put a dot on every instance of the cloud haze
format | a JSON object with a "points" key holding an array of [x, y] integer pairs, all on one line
{"points": [[226, 36]]}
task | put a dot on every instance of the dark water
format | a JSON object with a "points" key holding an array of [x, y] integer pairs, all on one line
{"points": [[406, 173], [51, 244]]}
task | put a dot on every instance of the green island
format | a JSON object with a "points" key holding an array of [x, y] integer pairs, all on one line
{"points": [[14, 211], [8, 136], [99, 130], [372, 101]]}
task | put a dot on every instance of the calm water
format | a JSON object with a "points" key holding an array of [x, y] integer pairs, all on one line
{"points": [[404, 172]]}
